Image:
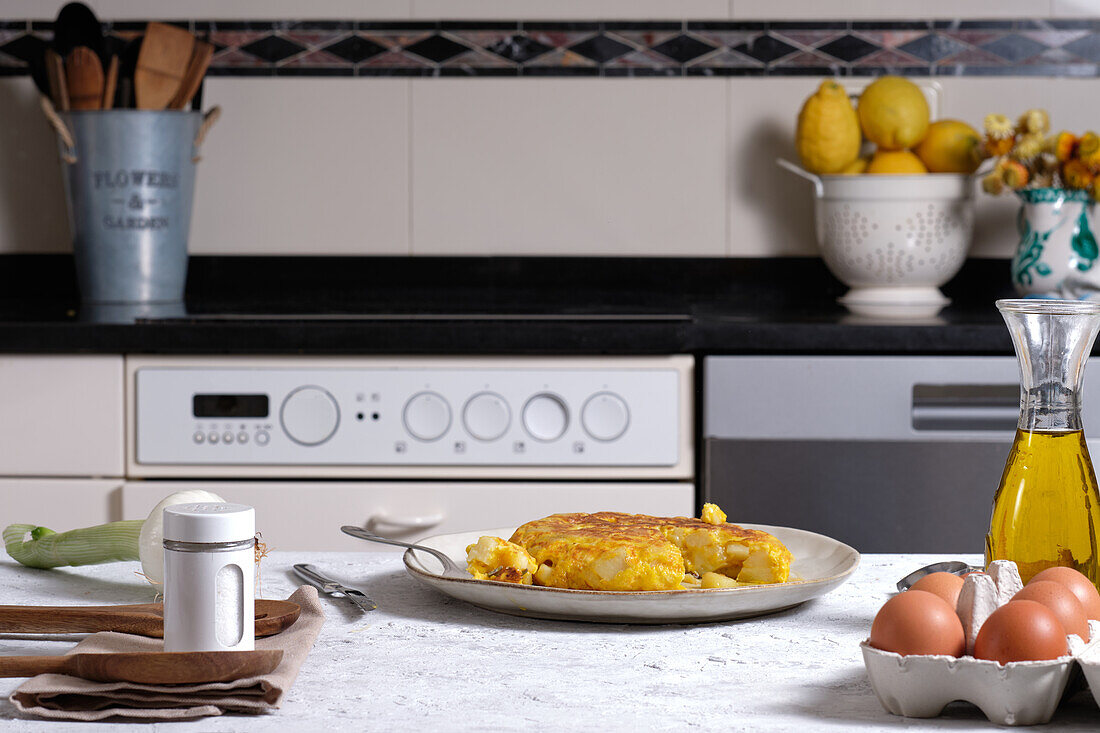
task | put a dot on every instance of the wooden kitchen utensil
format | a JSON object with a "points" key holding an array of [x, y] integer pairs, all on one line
{"points": [[161, 65], [152, 668], [109, 83], [84, 75], [146, 619], [196, 70], [55, 72]]}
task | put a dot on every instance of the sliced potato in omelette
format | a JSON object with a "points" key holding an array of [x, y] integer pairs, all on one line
{"points": [[492, 558]]}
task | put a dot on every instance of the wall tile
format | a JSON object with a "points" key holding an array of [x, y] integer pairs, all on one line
{"points": [[33, 217], [304, 166], [228, 9], [891, 9], [581, 167], [571, 9], [770, 210]]}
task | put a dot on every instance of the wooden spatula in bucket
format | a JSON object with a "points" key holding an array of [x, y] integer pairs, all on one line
{"points": [[161, 65], [151, 668]]}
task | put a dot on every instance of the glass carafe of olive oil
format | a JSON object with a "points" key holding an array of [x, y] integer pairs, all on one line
{"points": [[1046, 511]]}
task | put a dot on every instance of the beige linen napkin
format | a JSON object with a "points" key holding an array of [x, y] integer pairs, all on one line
{"points": [[70, 698]]}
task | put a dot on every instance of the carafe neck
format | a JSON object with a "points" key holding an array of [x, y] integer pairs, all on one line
{"points": [[1052, 339]]}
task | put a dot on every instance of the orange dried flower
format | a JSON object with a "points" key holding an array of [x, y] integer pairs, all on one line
{"points": [[1096, 190], [995, 147], [1014, 173], [1065, 145], [1076, 174], [1088, 148]]}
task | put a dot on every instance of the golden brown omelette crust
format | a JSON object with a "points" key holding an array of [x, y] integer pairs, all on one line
{"points": [[616, 551]]}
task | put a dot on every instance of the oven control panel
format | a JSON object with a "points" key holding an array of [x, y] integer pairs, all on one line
{"points": [[518, 412]]}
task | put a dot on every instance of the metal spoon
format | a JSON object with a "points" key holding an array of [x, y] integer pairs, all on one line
{"points": [[955, 567], [450, 568]]}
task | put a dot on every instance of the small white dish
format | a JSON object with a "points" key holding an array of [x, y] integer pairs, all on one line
{"points": [[820, 565]]}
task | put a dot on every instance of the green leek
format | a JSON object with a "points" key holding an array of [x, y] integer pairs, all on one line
{"points": [[45, 548]]}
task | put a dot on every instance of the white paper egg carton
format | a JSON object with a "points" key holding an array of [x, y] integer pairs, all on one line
{"points": [[1017, 693]]}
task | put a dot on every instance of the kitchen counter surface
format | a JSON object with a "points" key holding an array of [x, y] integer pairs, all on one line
{"points": [[494, 305], [423, 661]]}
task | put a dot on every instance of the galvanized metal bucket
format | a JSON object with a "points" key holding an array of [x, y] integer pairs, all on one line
{"points": [[129, 180]]}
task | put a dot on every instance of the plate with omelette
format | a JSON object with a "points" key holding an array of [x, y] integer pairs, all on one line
{"points": [[633, 568]]}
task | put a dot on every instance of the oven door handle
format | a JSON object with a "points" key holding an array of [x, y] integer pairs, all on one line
{"points": [[407, 523]]}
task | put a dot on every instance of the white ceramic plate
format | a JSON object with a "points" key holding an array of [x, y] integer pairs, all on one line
{"points": [[820, 564]]}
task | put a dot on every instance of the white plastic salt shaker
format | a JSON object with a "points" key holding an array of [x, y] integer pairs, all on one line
{"points": [[209, 574]]}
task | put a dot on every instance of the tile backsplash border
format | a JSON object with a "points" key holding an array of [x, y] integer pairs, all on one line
{"points": [[618, 48]]}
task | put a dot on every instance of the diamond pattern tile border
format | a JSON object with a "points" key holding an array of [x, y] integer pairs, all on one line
{"points": [[1025, 47]]}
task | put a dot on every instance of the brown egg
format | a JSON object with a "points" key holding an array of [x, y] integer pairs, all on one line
{"points": [[1077, 582], [1059, 599], [944, 585], [918, 622], [1021, 631]]}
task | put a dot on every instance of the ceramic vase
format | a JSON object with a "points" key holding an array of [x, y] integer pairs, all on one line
{"points": [[1057, 254]]}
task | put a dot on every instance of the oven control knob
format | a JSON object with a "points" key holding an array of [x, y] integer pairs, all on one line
{"points": [[486, 416], [427, 416], [605, 416], [309, 415], [545, 416]]}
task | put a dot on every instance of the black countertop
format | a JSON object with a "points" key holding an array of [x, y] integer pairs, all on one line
{"points": [[495, 305]]}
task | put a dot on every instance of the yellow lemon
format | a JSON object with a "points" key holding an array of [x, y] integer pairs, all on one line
{"points": [[893, 113], [857, 166], [828, 130], [950, 146], [895, 162]]}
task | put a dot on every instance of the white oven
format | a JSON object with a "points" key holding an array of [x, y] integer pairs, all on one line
{"points": [[410, 447]]}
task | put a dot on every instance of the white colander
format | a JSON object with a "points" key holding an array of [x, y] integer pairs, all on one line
{"points": [[894, 240]]}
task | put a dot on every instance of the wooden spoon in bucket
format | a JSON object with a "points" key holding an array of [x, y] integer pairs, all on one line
{"points": [[84, 75], [153, 668], [145, 619]]}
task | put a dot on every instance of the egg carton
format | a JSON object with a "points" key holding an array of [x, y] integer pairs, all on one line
{"points": [[1017, 693]]}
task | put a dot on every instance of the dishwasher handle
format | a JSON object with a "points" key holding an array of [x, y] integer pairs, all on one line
{"points": [[965, 407]]}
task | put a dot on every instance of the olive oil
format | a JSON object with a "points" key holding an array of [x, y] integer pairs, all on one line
{"points": [[1046, 511]]}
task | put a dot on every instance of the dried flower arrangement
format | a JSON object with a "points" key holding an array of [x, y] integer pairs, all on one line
{"points": [[1027, 156]]}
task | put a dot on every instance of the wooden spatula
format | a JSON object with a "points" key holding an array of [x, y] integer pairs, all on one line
{"points": [[161, 65], [152, 668], [84, 74], [196, 70], [146, 619]]}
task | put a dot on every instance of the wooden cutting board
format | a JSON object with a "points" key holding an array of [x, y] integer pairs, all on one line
{"points": [[161, 65]]}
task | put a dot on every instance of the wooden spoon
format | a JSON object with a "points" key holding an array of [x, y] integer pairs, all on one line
{"points": [[154, 668], [145, 619], [196, 70], [161, 65], [84, 74]]}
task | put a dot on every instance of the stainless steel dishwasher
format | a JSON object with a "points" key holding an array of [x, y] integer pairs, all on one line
{"points": [[887, 454]]}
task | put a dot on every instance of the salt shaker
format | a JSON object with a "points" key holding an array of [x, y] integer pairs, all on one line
{"points": [[209, 575]]}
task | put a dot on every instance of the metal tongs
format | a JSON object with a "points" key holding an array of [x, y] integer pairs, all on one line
{"points": [[955, 567]]}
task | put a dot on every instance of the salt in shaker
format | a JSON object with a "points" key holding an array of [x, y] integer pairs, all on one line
{"points": [[209, 575]]}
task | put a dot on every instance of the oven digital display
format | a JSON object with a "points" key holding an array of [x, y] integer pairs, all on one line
{"points": [[229, 405]]}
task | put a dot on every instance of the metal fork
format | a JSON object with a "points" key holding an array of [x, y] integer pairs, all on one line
{"points": [[450, 568]]}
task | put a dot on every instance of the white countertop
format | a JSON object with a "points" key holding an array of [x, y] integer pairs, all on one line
{"points": [[424, 661]]}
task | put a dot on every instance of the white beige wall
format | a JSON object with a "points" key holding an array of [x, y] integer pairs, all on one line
{"points": [[501, 166]]}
